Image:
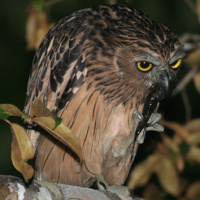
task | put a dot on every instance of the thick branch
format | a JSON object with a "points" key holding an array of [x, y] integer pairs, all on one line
{"points": [[14, 188]]}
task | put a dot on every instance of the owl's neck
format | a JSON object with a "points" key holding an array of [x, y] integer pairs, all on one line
{"points": [[118, 91]]}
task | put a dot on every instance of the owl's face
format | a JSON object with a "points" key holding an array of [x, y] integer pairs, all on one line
{"points": [[148, 68]]}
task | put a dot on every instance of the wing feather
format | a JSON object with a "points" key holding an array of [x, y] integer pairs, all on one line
{"points": [[58, 68]]}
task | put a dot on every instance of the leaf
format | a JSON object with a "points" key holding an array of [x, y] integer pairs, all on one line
{"points": [[12, 110], [193, 125], [170, 150], [61, 132], [195, 138], [142, 172], [178, 129], [38, 109], [193, 190], [193, 154], [197, 81], [37, 26], [3, 114], [58, 121], [152, 192], [21, 151], [193, 58], [171, 144], [167, 176]]}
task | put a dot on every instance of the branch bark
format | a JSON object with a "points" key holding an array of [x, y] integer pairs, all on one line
{"points": [[14, 188]]}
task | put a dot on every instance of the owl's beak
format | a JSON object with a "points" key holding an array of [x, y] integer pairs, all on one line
{"points": [[164, 84]]}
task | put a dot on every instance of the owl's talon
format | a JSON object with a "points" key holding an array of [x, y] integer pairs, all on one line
{"points": [[141, 136], [154, 118], [119, 190], [137, 116], [155, 127]]}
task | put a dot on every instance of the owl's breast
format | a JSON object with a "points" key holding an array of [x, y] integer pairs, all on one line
{"points": [[100, 126]]}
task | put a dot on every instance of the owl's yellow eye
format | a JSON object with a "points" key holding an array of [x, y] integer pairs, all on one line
{"points": [[176, 64], [144, 66]]}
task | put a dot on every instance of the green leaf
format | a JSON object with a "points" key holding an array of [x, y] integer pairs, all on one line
{"points": [[174, 156], [3, 114], [58, 121], [39, 5]]}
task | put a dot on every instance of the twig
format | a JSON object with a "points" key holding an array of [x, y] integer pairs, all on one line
{"points": [[191, 5], [188, 77], [186, 103]]}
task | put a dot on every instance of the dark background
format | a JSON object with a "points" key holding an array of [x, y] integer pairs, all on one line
{"points": [[15, 60]]}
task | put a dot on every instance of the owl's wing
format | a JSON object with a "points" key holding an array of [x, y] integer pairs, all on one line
{"points": [[58, 67]]}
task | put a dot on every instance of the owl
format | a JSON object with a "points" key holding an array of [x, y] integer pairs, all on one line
{"points": [[103, 70]]}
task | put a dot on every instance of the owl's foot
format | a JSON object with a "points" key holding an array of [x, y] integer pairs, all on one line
{"points": [[116, 191], [152, 125]]}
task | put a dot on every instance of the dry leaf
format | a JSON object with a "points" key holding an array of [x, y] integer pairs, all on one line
{"points": [[195, 138], [194, 154], [193, 59], [178, 129], [193, 125], [193, 190], [152, 192], [197, 81], [164, 150], [38, 109], [173, 150], [61, 132], [180, 163], [21, 151], [12, 110], [167, 175], [36, 27], [172, 145], [142, 172]]}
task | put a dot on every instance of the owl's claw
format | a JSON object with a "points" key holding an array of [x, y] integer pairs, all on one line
{"points": [[122, 192]]}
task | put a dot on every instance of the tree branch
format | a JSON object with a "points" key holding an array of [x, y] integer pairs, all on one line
{"points": [[14, 188]]}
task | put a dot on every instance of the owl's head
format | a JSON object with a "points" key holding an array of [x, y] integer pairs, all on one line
{"points": [[138, 54], [148, 53]]}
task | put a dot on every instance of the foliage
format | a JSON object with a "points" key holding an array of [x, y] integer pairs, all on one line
{"points": [[163, 173], [21, 147]]}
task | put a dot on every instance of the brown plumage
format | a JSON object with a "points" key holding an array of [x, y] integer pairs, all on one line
{"points": [[87, 71]]}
